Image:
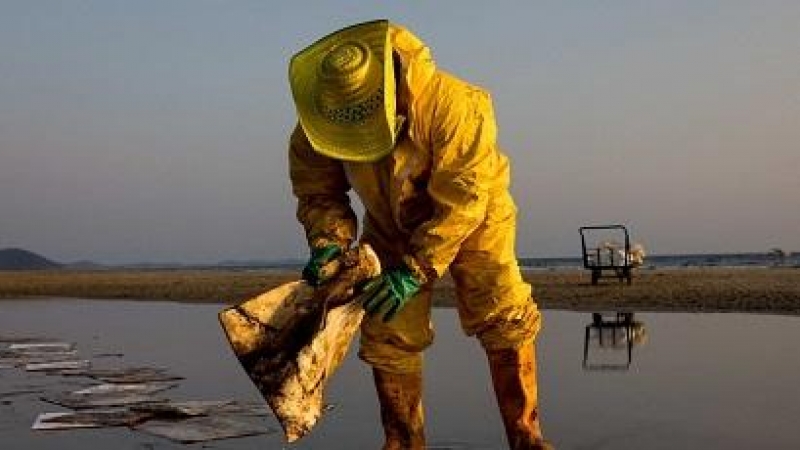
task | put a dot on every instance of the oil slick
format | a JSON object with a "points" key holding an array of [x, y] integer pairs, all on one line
{"points": [[56, 366], [41, 356], [121, 397], [130, 375], [204, 428], [88, 419], [108, 395]]}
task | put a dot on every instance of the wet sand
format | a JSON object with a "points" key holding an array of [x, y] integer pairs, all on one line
{"points": [[712, 289]]}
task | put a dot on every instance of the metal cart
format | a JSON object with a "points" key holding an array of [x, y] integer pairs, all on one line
{"points": [[605, 259]]}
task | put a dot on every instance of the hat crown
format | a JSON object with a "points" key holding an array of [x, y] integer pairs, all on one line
{"points": [[345, 63], [350, 83], [344, 91]]}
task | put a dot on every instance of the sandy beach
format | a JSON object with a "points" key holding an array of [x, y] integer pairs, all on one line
{"points": [[713, 289]]}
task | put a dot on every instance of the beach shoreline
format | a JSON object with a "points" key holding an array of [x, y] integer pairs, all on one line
{"points": [[772, 290]]}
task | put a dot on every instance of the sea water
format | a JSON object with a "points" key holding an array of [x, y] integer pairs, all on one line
{"points": [[678, 260]]}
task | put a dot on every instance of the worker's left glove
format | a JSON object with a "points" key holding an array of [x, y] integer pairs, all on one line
{"points": [[389, 291]]}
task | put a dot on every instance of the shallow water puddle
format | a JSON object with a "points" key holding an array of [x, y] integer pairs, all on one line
{"points": [[711, 381]]}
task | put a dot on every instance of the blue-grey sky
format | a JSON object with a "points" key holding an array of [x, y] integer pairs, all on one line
{"points": [[155, 130]]}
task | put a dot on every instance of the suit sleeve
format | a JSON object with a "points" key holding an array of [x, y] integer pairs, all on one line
{"points": [[320, 186]]}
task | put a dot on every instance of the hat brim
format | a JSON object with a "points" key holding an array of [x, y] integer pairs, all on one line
{"points": [[365, 141]]}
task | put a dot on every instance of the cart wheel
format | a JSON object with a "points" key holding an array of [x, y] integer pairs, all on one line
{"points": [[595, 276]]}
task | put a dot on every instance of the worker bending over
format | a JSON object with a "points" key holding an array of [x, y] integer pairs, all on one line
{"points": [[419, 148]]}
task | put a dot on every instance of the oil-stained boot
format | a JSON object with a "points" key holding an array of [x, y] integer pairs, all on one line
{"points": [[400, 397], [514, 379]]}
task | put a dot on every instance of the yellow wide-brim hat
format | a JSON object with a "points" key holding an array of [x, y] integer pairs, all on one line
{"points": [[344, 91]]}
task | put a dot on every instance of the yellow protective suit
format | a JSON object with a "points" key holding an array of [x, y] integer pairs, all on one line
{"points": [[440, 200]]}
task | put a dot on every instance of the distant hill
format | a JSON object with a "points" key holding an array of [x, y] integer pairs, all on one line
{"points": [[19, 259]]}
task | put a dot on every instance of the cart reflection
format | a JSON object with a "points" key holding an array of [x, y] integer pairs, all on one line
{"points": [[609, 340]]}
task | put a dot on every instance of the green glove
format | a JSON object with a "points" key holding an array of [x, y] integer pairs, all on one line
{"points": [[390, 290], [319, 257]]}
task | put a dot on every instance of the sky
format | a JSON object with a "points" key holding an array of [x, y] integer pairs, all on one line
{"points": [[156, 130]]}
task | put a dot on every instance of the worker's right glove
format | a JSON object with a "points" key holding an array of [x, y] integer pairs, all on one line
{"points": [[389, 291], [312, 272]]}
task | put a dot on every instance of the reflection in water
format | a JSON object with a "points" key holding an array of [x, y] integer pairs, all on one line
{"points": [[609, 334]]}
